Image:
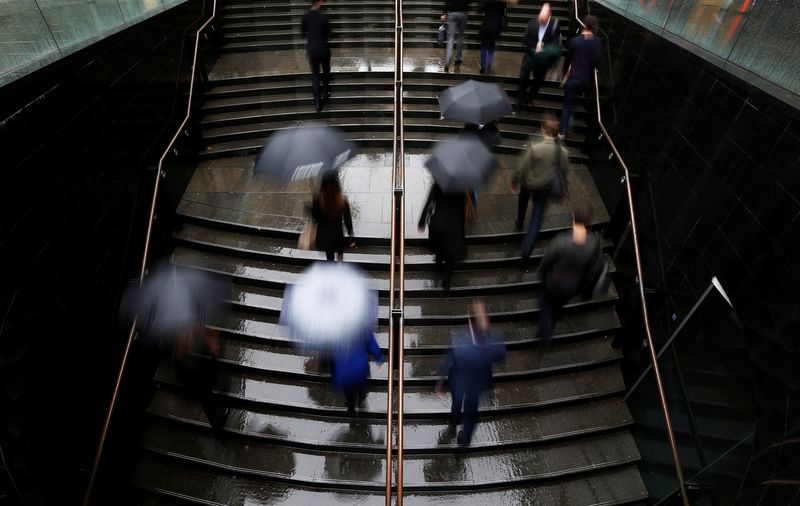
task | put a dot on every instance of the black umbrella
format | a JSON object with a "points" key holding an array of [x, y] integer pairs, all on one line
{"points": [[304, 152], [474, 102], [461, 164]]}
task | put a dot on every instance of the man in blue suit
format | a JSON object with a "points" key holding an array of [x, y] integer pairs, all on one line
{"points": [[350, 370], [468, 368]]}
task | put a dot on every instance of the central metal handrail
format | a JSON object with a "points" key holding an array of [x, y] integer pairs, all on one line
{"points": [[396, 270], [132, 333], [662, 397]]}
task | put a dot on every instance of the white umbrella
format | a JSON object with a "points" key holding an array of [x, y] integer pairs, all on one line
{"points": [[330, 306]]}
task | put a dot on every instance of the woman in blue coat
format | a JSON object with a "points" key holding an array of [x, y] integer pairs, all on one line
{"points": [[350, 369]]}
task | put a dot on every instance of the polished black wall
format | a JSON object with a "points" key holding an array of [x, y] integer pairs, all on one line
{"points": [[80, 142], [716, 172]]}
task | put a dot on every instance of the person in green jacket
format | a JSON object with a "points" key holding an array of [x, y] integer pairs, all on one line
{"points": [[539, 173]]}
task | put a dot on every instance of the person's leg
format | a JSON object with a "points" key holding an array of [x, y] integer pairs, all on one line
{"points": [[539, 200], [350, 398], [522, 205], [470, 418], [490, 58], [522, 87], [484, 50], [538, 78], [451, 37], [329, 255], [455, 406], [326, 76], [315, 63], [570, 90], [447, 275], [462, 27], [549, 308]]}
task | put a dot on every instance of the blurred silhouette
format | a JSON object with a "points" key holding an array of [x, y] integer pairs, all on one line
{"points": [[542, 41], [455, 13], [350, 369], [330, 210], [444, 214], [493, 20], [194, 356], [539, 173], [584, 54], [564, 270], [489, 134], [468, 369], [317, 29]]}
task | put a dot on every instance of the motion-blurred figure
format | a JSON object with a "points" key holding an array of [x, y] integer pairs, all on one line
{"points": [[489, 134], [350, 369], [194, 355], [444, 214], [455, 13], [564, 269], [468, 368], [542, 41], [583, 56], [317, 29], [330, 210], [539, 173], [494, 12]]}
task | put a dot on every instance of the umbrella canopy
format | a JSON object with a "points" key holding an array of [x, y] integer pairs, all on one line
{"points": [[304, 152], [331, 306], [461, 164], [474, 102], [172, 299]]}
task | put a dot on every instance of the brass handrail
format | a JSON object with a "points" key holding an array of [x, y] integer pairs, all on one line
{"points": [[662, 397], [131, 335]]}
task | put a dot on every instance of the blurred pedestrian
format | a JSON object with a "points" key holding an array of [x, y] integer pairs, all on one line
{"points": [[539, 173], [494, 12], [350, 369], [455, 13], [564, 269], [468, 368], [194, 354], [315, 26], [330, 210], [489, 134], [542, 41], [584, 54], [444, 214]]}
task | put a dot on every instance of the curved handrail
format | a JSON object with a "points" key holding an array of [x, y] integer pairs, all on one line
{"points": [[131, 335], [662, 397]]}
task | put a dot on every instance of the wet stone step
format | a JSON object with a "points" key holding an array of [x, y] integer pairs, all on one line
{"points": [[246, 456], [271, 102], [293, 394], [585, 324], [521, 123], [420, 436], [281, 358], [270, 119], [198, 483], [251, 146]]}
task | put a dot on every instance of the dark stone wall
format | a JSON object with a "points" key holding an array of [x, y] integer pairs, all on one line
{"points": [[81, 139], [716, 172]]}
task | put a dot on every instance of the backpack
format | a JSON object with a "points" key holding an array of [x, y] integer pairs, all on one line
{"points": [[596, 279]]}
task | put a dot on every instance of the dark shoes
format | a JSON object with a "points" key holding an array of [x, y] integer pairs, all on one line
{"points": [[318, 106], [462, 440], [482, 70], [517, 225], [458, 62], [447, 68]]}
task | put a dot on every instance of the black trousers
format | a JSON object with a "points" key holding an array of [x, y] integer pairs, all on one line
{"points": [[354, 396], [324, 63], [527, 91]]}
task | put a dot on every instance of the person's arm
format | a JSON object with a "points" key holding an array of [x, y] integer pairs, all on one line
{"points": [[551, 253], [528, 38], [563, 169], [348, 218], [557, 32], [444, 370], [522, 164], [374, 350], [328, 31], [304, 26], [316, 212], [426, 212], [211, 341], [568, 58]]}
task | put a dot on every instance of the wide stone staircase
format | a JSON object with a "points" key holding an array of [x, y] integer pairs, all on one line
{"points": [[555, 429]]}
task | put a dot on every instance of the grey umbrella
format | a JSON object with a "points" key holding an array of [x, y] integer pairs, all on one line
{"points": [[172, 299], [305, 152], [461, 164], [475, 102]]}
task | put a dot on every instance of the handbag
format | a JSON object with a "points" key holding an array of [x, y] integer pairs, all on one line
{"points": [[441, 34], [308, 237], [596, 279], [470, 213]]}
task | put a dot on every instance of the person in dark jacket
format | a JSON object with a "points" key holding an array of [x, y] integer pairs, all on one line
{"points": [[535, 178], [542, 41], [456, 15], [317, 29], [563, 270], [584, 54], [350, 369], [494, 12], [444, 215], [330, 210], [468, 368]]}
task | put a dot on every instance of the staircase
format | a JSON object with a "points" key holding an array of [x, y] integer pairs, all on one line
{"points": [[555, 430]]}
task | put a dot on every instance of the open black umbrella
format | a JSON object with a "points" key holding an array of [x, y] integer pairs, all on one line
{"points": [[461, 164], [475, 102], [304, 152]]}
